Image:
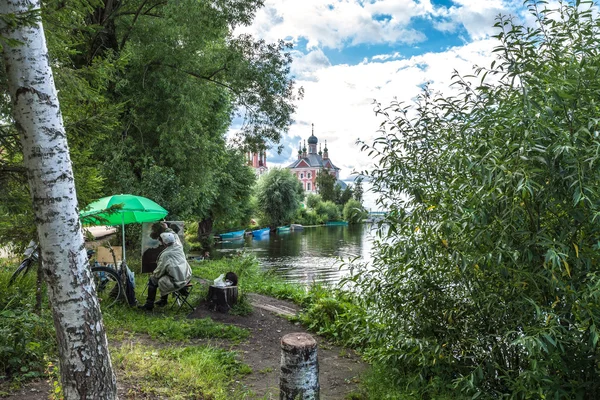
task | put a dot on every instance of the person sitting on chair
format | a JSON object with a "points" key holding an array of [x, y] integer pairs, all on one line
{"points": [[171, 274]]}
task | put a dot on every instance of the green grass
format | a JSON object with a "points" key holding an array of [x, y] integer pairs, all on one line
{"points": [[122, 323], [251, 278], [164, 324], [171, 367], [191, 372]]}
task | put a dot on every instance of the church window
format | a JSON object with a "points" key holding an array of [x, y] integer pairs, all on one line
{"points": [[308, 184], [309, 175], [301, 176]]}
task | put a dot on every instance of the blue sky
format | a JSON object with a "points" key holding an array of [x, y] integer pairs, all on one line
{"points": [[350, 53]]}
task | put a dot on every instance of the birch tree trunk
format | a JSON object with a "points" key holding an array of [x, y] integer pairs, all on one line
{"points": [[85, 365]]}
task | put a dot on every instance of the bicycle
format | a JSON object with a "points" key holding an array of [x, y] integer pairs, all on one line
{"points": [[107, 280]]}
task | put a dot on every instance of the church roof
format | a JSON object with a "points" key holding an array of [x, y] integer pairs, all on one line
{"points": [[313, 160]]}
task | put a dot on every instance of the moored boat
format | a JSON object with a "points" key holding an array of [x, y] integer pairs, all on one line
{"points": [[281, 229], [336, 223], [261, 232], [296, 227], [232, 235]]}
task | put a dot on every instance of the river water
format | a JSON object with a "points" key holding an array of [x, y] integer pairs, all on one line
{"points": [[311, 255]]}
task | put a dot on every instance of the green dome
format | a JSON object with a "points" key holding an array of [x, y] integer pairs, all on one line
{"points": [[313, 139]]}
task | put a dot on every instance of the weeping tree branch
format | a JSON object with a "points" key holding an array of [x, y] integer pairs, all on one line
{"points": [[136, 15], [199, 76]]}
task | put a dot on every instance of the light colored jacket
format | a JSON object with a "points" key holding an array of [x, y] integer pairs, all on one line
{"points": [[172, 269]]}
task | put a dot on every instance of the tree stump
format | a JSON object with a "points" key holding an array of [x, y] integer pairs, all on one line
{"points": [[222, 298], [299, 378]]}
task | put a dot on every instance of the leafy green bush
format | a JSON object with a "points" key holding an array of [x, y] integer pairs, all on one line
{"points": [[354, 212], [328, 210], [25, 338], [308, 217], [334, 313], [486, 277], [312, 200]]}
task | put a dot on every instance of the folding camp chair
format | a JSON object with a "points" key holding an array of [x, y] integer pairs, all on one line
{"points": [[181, 297]]}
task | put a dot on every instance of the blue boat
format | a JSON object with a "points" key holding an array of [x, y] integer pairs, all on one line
{"points": [[261, 232], [336, 223], [282, 229], [233, 235]]}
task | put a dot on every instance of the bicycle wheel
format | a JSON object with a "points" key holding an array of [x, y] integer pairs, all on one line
{"points": [[109, 288], [21, 270]]}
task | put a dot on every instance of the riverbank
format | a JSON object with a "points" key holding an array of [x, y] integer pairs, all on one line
{"points": [[233, 355], [340, 369]]}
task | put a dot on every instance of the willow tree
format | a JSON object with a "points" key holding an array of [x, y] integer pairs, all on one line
{"points": [[85, 365], [325, 183], [487, 279], [279, 194], [185, 77]]}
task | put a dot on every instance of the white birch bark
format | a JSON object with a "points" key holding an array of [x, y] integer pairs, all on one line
{"points": [[85, 366]]}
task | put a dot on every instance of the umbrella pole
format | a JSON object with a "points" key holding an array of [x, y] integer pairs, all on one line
{"points": [[123, 234]]}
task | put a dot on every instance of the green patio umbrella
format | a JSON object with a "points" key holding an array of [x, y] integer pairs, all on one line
{"points": [[135, 209]]}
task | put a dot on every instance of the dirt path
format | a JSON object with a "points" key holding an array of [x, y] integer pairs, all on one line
{"points": [[339, 369]]}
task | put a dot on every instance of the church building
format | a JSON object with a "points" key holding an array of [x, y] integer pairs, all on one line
{"points": [[311, 162], [258, 162]]}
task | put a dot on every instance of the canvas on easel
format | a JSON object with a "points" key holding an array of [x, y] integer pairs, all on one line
{"points": [[151, 247]]}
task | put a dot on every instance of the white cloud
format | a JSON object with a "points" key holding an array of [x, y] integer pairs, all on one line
{"points": [[340, 99], [304, 66], [384, 57], [337, 23], [475, 16]]}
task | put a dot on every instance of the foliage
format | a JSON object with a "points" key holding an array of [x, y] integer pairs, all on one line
{"points": [[358, 190], [181, 100], [87, 114], [245, 267], [354, 212], [335, 314], [346, 195], [278, 195], [308, 217], [328, 210], [485, 277], [323, 211], [242, 307], [233, 206], [147, 97], [312, 200], [325, 182], [26, 339]]}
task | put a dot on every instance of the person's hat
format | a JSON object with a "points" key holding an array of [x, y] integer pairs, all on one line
{"points": [[167, 237]]}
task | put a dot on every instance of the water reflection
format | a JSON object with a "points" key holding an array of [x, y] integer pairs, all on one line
{"points": [[307, 256]]}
